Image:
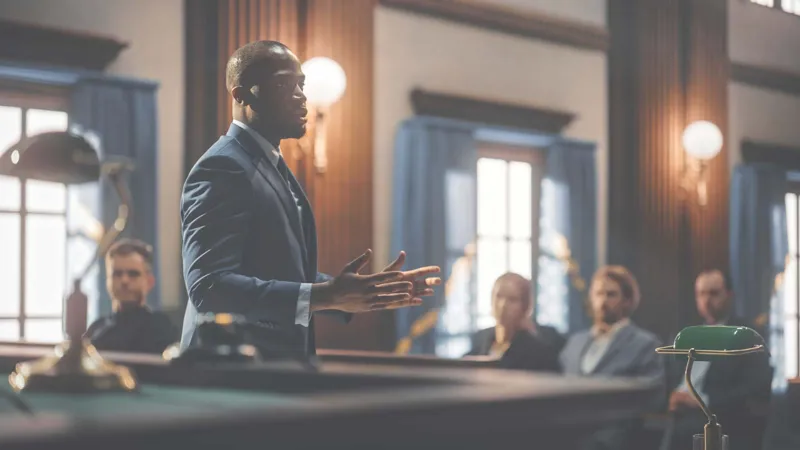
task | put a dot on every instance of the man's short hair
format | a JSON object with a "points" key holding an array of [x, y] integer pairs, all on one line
{"points": [[726, 277], [244, 62], [625, 279], [124, 247]]}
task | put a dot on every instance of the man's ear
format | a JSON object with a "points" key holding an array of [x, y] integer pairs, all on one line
{"points": [[240, 95], [151, 280]]}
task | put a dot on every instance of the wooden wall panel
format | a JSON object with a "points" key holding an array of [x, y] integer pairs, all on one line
{"points": [[343, 30], [342, 196], [667, 67], [707, 99]]}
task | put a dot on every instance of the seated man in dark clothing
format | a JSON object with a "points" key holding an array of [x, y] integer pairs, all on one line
{"points": [[737, 389], [133, 327], [516, 340]]}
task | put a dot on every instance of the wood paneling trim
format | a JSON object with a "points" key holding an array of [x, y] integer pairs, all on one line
{"points": [[525, 24], [489, 112], [764, 152], [42, 45], [765, 77]]}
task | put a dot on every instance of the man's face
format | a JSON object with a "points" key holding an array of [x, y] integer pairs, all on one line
{"points": [[128, 280], [278, 100], [608, 304], [509, 306], [713, 299]]}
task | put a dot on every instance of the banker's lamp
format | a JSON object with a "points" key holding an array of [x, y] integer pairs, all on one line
{"points": [[75, 365], [324, 85], [710, 343], [702, 141]]}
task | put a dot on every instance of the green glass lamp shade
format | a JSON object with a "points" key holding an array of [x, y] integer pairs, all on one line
{"points": [[60, 157], [713, 342]]}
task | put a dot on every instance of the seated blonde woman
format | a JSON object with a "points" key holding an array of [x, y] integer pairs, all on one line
{"points": [[516, 340]]}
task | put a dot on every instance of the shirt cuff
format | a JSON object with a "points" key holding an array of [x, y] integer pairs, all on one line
{"points": [[303, 314]]}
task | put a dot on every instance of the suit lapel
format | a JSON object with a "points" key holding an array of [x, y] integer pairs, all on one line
{"points": [[274, 178], [615, 346]]}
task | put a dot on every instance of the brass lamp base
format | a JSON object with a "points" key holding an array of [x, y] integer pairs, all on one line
{"points": [[74, 367]]}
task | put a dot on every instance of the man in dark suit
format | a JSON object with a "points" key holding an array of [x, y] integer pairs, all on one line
{"points": [[249, 237], [132, 327], [515, 339], [736, 389]]}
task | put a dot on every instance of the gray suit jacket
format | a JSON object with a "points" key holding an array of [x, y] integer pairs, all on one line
{"points": [[632, 353]]}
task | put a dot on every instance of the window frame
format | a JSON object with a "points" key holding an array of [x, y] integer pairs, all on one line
{"points": [[777, 5], [510, 153], [793, 187], [27, 96]]}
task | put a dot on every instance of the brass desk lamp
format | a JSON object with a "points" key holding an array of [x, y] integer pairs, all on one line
{"points": [[75, 365], [710, 343]]}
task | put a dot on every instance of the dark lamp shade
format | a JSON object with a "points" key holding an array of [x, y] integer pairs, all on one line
{"points": [[60, 157]]}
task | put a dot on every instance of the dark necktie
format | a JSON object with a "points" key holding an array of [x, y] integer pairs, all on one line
{"points": [[283, 169]]}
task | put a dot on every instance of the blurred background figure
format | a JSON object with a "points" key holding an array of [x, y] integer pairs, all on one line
{"points": [[737, 390], [133, 326], [516, 339]]}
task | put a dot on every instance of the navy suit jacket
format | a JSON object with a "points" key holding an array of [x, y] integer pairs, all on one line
{"points": [[245, 250]]}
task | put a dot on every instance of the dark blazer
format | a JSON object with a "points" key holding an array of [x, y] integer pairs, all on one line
{"points": [[244, 248], [139, 331], [526, 352]]}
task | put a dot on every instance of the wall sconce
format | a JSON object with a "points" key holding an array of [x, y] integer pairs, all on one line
{"points": [[324, 86], [702, 141]]}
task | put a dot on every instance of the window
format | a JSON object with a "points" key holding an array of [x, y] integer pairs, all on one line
{"points": [[506, 207], [33, 232], [789, 6], [787, 327]]}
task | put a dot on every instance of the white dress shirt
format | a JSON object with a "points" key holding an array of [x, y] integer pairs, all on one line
{"points": [[599, 346], [303, 313]]}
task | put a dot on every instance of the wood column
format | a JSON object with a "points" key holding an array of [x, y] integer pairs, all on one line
{"points": [[342, 196], [667, 68]]}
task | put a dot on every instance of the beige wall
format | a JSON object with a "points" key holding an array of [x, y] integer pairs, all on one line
{"points": [[154, 31], [769, 38], [417, 51]]}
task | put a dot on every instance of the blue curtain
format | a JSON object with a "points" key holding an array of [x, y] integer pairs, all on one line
{"points": [[433, 204], [120, 115], [759, 248], [568, 234]]}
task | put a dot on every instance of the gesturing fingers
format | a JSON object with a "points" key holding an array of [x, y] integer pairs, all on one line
{"points": [[388, 288], [381, 277], [397, 263], [357, 264], [421, 272], [402, 303]]}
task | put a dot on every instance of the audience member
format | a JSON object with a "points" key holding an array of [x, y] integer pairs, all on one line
{"points": [[615, 347], [132, 327], [516, 339], [737, 389]]}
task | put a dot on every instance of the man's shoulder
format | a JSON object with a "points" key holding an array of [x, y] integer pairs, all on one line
{"points": [[226, 154], [97, 323], [643, 335]]}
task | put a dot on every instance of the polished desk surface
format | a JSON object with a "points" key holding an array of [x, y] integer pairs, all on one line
{"points": [[340, 405]]}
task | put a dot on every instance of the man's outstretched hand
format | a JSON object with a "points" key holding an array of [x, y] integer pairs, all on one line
{"points": [[353, 292], [423, 285]]}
